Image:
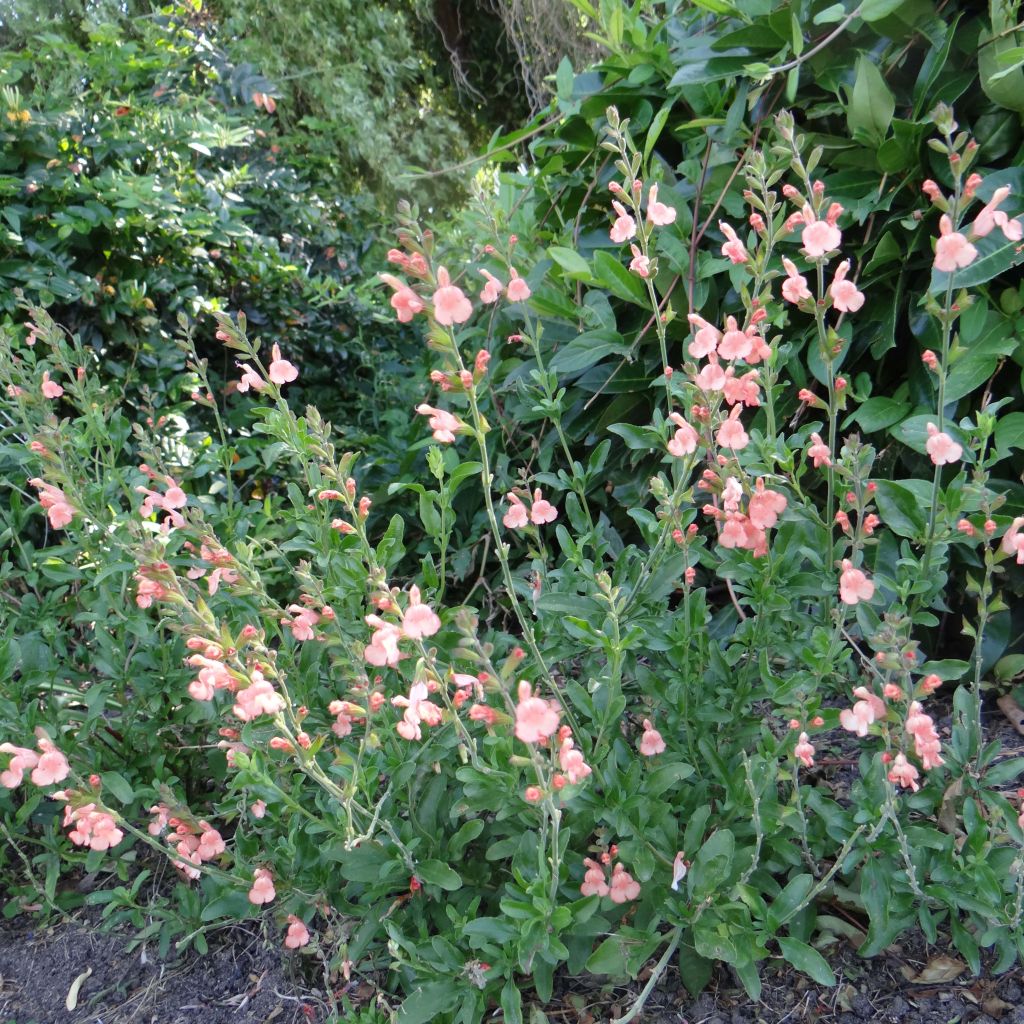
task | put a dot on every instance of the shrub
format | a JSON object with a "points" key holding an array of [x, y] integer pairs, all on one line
{"points": [[142, 181], [610, 747]]}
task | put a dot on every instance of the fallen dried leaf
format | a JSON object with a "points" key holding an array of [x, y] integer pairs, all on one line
{"points": [[996, 1007], [1013, 711], [948, 817], [938, 970], [72, 1000]]}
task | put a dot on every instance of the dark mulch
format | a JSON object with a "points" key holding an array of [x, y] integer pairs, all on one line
{"points": [[245, 981], [873, 991], [242, 980]]}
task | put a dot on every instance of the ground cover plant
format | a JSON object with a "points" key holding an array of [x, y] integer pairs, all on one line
{"points": [[613, 769]]}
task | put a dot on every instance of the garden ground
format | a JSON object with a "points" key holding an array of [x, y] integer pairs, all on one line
{"points": [[242, 981]]}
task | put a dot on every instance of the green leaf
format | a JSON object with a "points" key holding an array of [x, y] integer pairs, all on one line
{"points": [[875, 10], [900, 508], [810, 961], [1010, 432], [232, 904], [789, 901], [878, 413], [871, 105], [617, 279], [571, 262], [427, 1003], [750, 978], [657, 124], [712, 865], [694, 970], [587, 349], [642, 439], [608, 958], [1001, 84], [118, 785], [564, 78], [512, 1002], [665, 777], [436, 872]]}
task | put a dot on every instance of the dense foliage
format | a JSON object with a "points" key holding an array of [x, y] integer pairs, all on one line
{"points": [[636, 641]]}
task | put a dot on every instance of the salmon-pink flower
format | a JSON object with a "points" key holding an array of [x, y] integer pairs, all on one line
{"points": [[804, 750], [706, 339], [854, 586], [862, 715], [532, 794], [651, 742], [624, 227], [536, 718], [942, 449], [258, 698], [404, 301], [258, 809], [483, 713], [926, 740], [93, 828], [904, 773], [657, 212], [262, 890], [491, 291], [450, 303], [250, 379], [1013, 540], [280, 370], [765, 506], [518, 290], [443, 424], [711, 377], [685, 439], [50, 388], [22, 760], [570, 760], [623, 887], [735, 344], [516, 517], [383, 647], [55, 503], [297, 934], [211, 844], [541, 510], [845, 296], [731, 433], [419, 620], [952, 250], [818, 236], [594, 883], [818, 451], [733, 248], [794, 288], [990, 217], [52, 765], [639, 264], [745, 389], [418, 709]]}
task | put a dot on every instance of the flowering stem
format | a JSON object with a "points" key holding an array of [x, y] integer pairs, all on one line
{"points": [[501, 550]]}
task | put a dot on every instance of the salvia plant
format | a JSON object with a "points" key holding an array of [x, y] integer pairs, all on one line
{"points": [[698, 728]]}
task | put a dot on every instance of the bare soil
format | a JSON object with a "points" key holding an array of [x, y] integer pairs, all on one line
{"points": [[238, 982], [246, 981]]}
